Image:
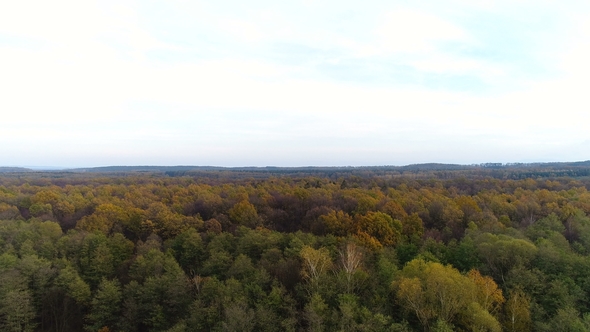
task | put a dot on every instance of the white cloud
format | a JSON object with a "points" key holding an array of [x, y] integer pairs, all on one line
{"points": [[65, 21], [573, 57], [441, 63], [242, 30], [412, 31]]}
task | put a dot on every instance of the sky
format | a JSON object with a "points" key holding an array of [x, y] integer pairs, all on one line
{"points": [[293, 83]]}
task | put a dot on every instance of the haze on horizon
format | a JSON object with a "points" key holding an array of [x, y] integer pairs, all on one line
{"points": [[302, 83]]}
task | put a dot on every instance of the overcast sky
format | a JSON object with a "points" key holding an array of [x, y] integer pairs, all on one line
{"points": [[293, 83]]}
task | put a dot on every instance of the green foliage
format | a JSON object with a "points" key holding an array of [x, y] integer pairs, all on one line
{"points": [[316, 313], [442, 326], [69, 280], [501, 253], [189, 250], [17, 313], [567, 319], [105, 306], [545, 227]]}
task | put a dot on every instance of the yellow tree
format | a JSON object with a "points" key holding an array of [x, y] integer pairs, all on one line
{"points": [[104, 218], [517, 315], [394, 209], [338, 223], [433, 291], [475, 318], [244, 213], [316, 262], [412, 296], [379, 226], [471, 211], [487, 294]]}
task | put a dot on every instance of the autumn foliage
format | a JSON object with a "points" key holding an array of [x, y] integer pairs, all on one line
{"points": [[374, 251]]}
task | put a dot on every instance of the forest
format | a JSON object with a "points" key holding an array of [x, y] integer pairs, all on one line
{"points": [[479, 248]]}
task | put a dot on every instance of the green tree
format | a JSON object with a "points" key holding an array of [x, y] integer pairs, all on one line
{"points": [[17, 313], [315, 313], [105, 306], [501, 253], [568, 319], [238, 317], [189, 250], [412, 228]]}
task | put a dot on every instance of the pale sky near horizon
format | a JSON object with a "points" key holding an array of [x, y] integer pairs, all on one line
{"points": [[293, 83]]}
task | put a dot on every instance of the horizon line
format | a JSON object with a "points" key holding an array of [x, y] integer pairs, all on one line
{"points": [[489, 164]]}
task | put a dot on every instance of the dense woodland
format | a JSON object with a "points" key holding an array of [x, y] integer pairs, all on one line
{"points": [[485, 249]]}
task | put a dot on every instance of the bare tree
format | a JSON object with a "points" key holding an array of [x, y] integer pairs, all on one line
{"points": [[351, 257]]}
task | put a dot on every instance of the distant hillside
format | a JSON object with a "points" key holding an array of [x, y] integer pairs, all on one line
{"points": [[429, 170], [273, 169], [118, 169], [417, 171], [14, 169]]}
